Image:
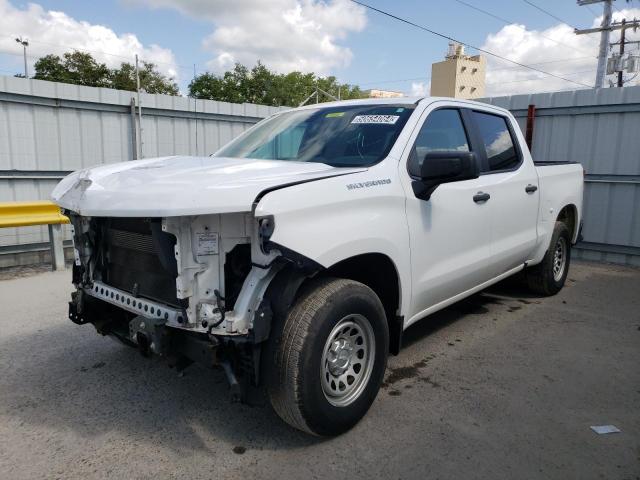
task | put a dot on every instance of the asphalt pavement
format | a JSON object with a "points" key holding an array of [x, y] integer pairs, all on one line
{"points": [[502, 385]]}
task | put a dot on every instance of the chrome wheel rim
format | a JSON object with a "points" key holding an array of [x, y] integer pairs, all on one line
{"points": [[559, 259], [347, 360]]}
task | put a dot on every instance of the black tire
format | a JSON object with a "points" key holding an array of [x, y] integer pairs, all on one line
{"points": [[541, 278], [295, 385]]}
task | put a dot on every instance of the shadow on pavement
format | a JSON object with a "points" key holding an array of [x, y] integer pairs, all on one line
{"points": [[512, 293], [68, 377]]}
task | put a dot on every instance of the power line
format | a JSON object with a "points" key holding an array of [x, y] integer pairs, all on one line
{"points": [[503, 20], [515, 24], [15, 54], [596, 14], [548, 62], [423, 78], [537, 78], [394, 81], [447, 37], [547, 12]]}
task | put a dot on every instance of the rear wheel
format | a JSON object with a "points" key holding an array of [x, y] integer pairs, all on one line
{"points": [[548, 277], [330, 358]]}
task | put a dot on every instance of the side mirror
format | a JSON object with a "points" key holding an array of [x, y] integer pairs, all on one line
{"points": [[442, 167]]}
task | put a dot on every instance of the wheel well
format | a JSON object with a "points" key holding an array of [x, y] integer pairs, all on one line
{"points": [[378, 272], [568, 215], [375, 270]]}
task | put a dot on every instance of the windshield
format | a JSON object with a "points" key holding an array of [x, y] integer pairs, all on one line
{"points": [[348, 136]]}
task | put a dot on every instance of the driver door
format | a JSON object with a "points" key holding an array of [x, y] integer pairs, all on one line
{"points": [[450, 235]]}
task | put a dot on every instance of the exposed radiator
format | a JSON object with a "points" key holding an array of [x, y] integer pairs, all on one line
{"points": [[133, 262]]}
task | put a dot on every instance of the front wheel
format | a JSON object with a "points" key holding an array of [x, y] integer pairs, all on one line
{"points": [[548, 277], [330, 357]]}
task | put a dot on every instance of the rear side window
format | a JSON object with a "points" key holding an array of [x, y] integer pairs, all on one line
{"points": [[498, 143], [442, 132]]}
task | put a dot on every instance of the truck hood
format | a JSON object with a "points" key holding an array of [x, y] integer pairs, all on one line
{"points": [[175, 186]]}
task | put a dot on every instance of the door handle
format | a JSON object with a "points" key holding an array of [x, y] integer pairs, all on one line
{"points": [[530, 188], [481, 197]]}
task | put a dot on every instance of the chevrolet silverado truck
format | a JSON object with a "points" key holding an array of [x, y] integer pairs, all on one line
{"points": [[295, 257]]}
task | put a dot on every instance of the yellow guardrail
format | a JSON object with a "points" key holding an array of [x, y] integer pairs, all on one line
{"points": [[24, 214]]}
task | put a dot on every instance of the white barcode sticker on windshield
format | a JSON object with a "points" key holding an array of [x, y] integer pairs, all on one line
{"points": [[380, 119]]}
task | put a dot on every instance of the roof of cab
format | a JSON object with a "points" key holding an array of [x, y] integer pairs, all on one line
{"points": [[396, 101], [366, 101], [390, 101]]}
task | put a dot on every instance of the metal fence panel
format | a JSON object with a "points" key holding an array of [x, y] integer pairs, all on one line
{"points": [[48, 129], [601, 130]]}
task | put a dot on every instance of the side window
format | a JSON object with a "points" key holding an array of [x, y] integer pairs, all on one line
{"points": [[442, 131], [501, 152]]}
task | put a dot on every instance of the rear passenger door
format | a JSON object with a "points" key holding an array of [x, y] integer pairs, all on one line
{"points": [[513, 186]]}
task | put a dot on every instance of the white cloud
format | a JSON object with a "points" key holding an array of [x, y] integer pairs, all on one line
{"points": [[285, 35], [57, 33], [502, 143], [420, 89], [556, 50]]}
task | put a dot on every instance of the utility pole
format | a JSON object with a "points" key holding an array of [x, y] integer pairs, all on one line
{"points": [[139, 108], [195, 108], [24, 44], [624, 21], [605, 28], [630, 64]]}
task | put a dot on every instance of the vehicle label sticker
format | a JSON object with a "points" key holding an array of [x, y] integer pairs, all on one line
{"points": [[207, 243], [334, 114], [378, 119]]}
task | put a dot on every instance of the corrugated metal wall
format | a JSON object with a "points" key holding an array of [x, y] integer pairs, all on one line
{"points": [[601, 130], [49, 129]]}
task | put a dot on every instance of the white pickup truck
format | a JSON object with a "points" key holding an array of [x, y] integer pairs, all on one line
{"points": [[295, 256]]}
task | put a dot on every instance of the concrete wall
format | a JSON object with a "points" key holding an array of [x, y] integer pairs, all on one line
{"points": [[49, 129], [601, 130]]}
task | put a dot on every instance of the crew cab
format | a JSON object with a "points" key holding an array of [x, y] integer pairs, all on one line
{"points": [[296, 256]]}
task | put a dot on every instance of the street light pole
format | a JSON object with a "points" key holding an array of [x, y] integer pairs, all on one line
{"points": [[24, 44]]}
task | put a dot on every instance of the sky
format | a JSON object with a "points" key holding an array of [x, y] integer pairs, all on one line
{"points": [[329, 37]]}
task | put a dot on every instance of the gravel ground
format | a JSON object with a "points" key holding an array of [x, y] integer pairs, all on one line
{"points": [[503, 385]]}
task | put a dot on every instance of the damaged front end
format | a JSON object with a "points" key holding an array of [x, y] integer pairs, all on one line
{"points": [[190, 289]]}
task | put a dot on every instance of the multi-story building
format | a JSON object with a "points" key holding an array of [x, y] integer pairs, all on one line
{"points": [[459, 75], [375, 93]]}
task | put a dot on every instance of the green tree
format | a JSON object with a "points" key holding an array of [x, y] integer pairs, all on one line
{"points": [[50, 67], [263, 86], [82, 69], [151, 81], [75, 67]]}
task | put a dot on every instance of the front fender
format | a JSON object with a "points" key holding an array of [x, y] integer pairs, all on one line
{"points": [[331, 220]]}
